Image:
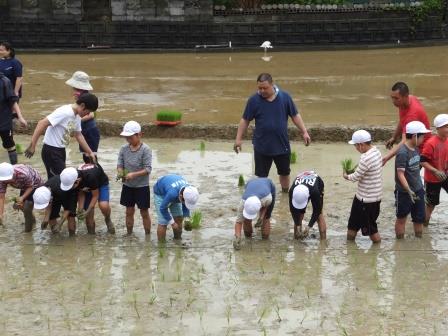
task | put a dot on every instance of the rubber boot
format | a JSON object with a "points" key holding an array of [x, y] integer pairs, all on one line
{"points": [[30, 220], [12, 157]]}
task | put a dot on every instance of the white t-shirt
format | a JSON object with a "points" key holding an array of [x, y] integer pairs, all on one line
{"points": [[63, 121]]}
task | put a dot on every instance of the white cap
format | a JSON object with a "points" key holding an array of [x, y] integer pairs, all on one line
{"points": [[41, 197], [251, 207], [441, 120], [80, 80], [6, 171], [190, 196], [360, 136], [68, 178], [415, 127], [300, 196], [130, 128]]}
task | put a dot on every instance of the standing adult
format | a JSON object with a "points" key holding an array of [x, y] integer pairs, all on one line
{"points": [[409, 109], [80, 83], [271, 108], [11, 67]]}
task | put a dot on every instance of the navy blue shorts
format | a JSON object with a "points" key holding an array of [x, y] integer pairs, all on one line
{"points": [[263, 164], [132, 196], [405, 206]]}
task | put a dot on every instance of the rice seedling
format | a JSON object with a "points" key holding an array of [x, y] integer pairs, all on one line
{"points": [[196, 220], [153, 299], [304, 317], [121, 175], [277, 311], [263, 314], [348, 166], [167, 115], [19, 148], [241, 181], [293, 157], [172, 299], [134, 296], [228, 313], [202, 146]]}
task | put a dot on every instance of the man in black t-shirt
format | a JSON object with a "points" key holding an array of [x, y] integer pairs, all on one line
{"points": [[94, 187], [307, 186]]}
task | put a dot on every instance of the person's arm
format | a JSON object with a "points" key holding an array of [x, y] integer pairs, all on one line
{"points": [[242, 127], [359, 173], [316, 202], [395, 137], [25, 195], [38, 131], [18, 85], [95, 196], [2, 207], [441, 176], [394, 150], [133, 175], [84, 146], [90, 116], [81, 199], [297, 120], [402, 178], [16, 109], [164, 209]]}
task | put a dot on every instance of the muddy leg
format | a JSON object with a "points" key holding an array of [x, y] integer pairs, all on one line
{"points": [[130, 219], [105, 209], [284, 182], [266, 228], [375, 238], [351, 234], [247, 228], [146, 220], [90, 222], [30, 220], [428, 212], [177, 227], [400, 227], [418, 229], [71, 226], [322, 227], [161, 233]]}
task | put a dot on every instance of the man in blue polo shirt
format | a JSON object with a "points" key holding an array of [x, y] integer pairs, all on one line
{"points": [[271, 108]]}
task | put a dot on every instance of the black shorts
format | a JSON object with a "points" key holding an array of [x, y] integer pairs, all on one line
{"points": [[363, 216], [263, 164], [432, 196], [54, 159], [405, 206], [7, 140], [69, 203], [132, 196]]}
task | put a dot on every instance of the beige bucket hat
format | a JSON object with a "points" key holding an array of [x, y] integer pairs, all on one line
{"points": [[80, 80]]}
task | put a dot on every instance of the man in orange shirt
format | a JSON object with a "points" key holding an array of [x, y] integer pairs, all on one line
{"points": [[409, 109], [434, 158]]}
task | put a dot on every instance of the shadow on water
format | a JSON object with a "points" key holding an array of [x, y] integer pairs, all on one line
{"points": [[127, 285]]}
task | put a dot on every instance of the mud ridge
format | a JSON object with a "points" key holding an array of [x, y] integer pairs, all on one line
{"points": [[322, 133]]}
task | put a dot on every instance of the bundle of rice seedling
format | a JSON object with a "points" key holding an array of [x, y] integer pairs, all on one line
{"points": [[166, 115], [241, 181], [19, 148], [202, 146], [347, 166], [196, 220], [122, 175], [293, 157]]}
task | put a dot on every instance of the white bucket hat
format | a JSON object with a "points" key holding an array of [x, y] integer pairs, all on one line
{"points": [[190, 196], [300, 196], [415, 127], [6, 171], [130, 128], [441, 120], [251, 207], [360, 136], [41, 198], [68, 178], [80, 80]]}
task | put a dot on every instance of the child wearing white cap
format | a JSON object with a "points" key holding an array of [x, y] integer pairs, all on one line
{"points": [[174, 197], [434, 158], [258, 200], [366, 203], [134, 166], [22, 177], [409, 191], [59, 190], [307, 186]]}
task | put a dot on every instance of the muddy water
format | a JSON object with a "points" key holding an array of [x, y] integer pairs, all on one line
{"points": [[120, 285], [331, 87]]}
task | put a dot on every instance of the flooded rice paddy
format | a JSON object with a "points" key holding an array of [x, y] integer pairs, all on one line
{"points": [[127, 285], [330, 87]]}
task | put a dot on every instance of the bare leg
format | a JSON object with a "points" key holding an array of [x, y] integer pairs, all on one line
{"points": [[428, 211], [400, 227], [247, 227], [177, 227], [71, 225], [130, 219], [322, 227], [266, 228], [351, 234], [161, 233], [418, 229], [375, 238], [90, 222], [146, 220], [30, 220], [105, 209], [284, 182]]}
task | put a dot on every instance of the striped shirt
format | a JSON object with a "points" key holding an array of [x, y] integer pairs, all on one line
{"points": [[136, 160], [368, 175], [24, 177]]}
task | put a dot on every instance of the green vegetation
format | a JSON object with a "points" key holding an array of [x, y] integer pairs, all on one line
{"points": [[347, 166], [293, 157], [196, 220], [122, 175], [202, 146], [166, 115], [19, 148], [241, 181]]}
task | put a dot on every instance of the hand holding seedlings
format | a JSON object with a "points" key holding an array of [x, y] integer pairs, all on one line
{"points": [[348, 167], [188, 226], [81, 214], [122, 175]]}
